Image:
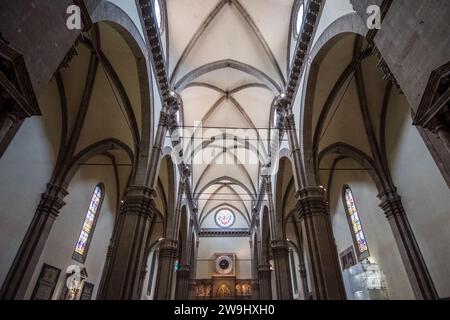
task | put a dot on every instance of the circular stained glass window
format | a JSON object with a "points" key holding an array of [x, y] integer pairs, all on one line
{"points": [[225, 218], [158, 13], [299, 23]]}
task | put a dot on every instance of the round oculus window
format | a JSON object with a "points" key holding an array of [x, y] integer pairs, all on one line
{"points": [[225, 218]]}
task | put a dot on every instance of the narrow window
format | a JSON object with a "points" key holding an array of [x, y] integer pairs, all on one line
{"points": [[359, 239], [87, 230], [158, 13], [299, 20]]}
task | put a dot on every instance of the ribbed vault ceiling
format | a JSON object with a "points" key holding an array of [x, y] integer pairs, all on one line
{"points": [[228, 60]]}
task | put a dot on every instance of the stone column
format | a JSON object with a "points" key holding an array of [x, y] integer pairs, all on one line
{"points": [[167, 256], [192, 286], [127, 261], [265, 286], [304, 278], [25, 262], [280, 252], [255, 289], [326, 278], [182, 291], [157, 146], [413, 261], [193, 273], [294, 146], [144, 271]]}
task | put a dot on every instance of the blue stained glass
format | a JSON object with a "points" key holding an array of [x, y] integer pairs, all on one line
{"points": [[86, 230], [356, 226]]}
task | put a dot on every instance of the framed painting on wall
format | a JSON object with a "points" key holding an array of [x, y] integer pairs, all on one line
{"points": [[347, 258], [46, 283], [88, 289]]}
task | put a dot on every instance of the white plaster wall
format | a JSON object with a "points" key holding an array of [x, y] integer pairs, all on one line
{"points": [[333, 10], [130, 8], [66, 229], [425, 195], [209, 246], [382, 246], [25, 169], [210, 222]]}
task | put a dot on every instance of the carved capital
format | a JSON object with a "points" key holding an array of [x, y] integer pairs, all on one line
{"points": [[168, 249], [139, 201], [391, 203], [185, 172], [280, 248], [52, 201], [312, 202]]}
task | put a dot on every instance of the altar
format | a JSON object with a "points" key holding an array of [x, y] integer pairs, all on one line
{"points": [[223, 285]]}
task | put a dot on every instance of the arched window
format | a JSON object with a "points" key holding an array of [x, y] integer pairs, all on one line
{"points": [[357, 230], [158, 13], [87, 230], [299, 19]]}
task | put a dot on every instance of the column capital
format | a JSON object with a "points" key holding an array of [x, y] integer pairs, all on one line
{"points": [[280, 248], [185, 172], [391, 203], [52, 200], [168, 248], [139, 200], [311, 201]]}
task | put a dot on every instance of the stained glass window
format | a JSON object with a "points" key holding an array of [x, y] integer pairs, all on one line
{"points": [[225, 218], [87, 229], [355, 224]]}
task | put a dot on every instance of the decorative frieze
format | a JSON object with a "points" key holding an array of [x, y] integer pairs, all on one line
{"points": [[214, 232], [311, 15], [156, 50]]}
